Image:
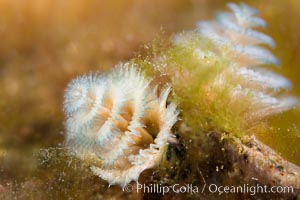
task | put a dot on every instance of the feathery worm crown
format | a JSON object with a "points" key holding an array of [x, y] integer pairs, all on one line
{"points": [[118, 122], [234, 38]]}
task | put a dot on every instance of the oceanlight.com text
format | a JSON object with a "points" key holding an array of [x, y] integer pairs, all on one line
{"points": [[207, 188]]}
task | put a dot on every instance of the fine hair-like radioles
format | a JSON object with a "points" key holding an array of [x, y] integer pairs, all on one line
{"points": [[118, 122]]}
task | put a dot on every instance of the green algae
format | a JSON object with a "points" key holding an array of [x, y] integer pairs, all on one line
{"points": [[35, 69]]}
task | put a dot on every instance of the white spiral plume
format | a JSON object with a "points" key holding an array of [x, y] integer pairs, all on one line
{"points": [[118, 122], [233, 37]]}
